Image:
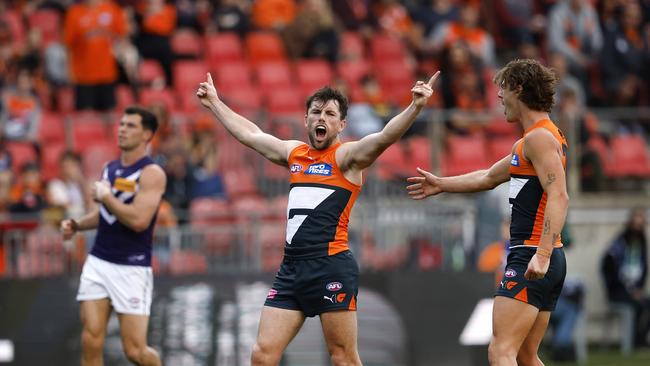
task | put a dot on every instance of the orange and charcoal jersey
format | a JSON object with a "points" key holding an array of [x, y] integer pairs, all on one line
{"points": [[89, 33], [527, 197], [320, 201]]}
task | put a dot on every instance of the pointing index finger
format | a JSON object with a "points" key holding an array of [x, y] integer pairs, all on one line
{"points": [[433, 78], [210, 79]]}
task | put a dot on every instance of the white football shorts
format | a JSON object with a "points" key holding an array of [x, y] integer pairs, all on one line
{"points": [[129, 288]]}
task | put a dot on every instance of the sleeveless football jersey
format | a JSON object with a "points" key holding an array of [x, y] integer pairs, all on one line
{"points": [[116, 242], [320, 201], [527, 197]]}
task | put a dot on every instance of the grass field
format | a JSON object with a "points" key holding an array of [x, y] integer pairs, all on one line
{"points": [[598, 357]]}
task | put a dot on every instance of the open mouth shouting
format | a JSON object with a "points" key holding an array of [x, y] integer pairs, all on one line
{"points": [[320, 132]]}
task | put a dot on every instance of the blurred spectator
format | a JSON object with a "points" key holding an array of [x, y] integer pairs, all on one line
{"points": [[167, 136], [6, 160], [231, 16], [367, 115], [519, 22], [624, 267], [194, 14], [21, 113], [626, 53], [356, 16], [206, 181], [70, 190], [574, 32], [567, 83], [564, 319], [273, 14], [179, 183], [311, 33], [436, 13], [91, 29], [8, 51], [28, 193], [468, 30], [156, 21], [394, 18]]}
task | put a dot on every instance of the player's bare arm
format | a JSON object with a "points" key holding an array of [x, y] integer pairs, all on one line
{"points": [[245, 131], [545, 153], [138, 214], [71, 226], [428, 184], [359, 155]]}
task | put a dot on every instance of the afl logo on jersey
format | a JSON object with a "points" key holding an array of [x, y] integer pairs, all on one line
{"points": [[510, 272], [295, 168], [334, 286], [515, 160], [319, 169]]}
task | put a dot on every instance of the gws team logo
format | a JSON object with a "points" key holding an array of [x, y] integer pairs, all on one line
{"points": [[515, 160], [295, 168], [335, 299], [319, 169], [334, 286], [510, 272]]}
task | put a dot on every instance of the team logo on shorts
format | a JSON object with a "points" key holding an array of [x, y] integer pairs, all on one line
{"points": [[272, 293], [510, 272], [295, 168], [319, 169], [334, 286], [134, 302]]}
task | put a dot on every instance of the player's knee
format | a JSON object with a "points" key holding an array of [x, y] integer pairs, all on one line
{"points": [[263, 355], [92, 341], [341, 356], [528, 358], [134, 353], [498, 352]]}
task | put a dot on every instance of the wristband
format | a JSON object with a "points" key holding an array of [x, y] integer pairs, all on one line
{"points": [[543, 252]]}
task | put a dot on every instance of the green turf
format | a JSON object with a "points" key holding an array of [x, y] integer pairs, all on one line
{"points": [[610, 358]]}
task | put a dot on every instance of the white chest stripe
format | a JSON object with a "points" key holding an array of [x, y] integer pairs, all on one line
{"points": [[516, 185], [303, 198]]}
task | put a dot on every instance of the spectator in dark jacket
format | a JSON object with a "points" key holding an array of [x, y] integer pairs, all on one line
{"points": [[625, 268]]}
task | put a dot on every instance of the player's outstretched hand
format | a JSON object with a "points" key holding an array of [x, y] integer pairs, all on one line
{"points": [[68, 229], [423, 186], [537, 267], [207, 93], [422, 91]]}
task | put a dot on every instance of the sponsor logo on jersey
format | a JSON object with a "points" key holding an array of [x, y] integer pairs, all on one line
{"points": [[295, 168], [508, 284], [334, 286], [272, 293], [515, 160], [335, 299], [124, 185], [510, 272], [319, 169]]}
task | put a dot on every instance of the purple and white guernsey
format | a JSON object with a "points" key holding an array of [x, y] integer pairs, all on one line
{"points": [[116, 242]]}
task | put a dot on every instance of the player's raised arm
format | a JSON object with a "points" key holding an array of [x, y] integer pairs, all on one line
{"points": [[360, 154], [245, 131]]}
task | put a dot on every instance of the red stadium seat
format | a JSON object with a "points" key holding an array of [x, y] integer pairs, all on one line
{"points": [[352, 47], [392, 163], [285, 100], [500, 147], [51, 154], [232, 75], [352, 71], [21, 154], [240, 183], [208, 211], [245, 100], [15, 24], [188, 75], [223, 47], [264, 47], [273, 75], [461, 155], [418, 153], [66, 100], [185, 262], [150, 70], [187, 43], [313, 73], [630, 156], [384, 47], [124, 97], [48, 22], [95, 156], [88, 129], [165, 96], [51, 129]]}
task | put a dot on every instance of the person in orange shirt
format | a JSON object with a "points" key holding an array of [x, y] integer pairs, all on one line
{"points": [[273, 14], [90, 31], [319, 274], [156, 20], [536, 168]]}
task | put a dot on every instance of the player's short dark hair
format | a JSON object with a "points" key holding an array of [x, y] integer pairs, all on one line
{"points": [[149, 120], [70, 155], [326, 94], [536, 80]]}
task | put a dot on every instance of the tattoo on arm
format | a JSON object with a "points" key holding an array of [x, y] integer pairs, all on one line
{"points": [[551, 178], [547, 226]]}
